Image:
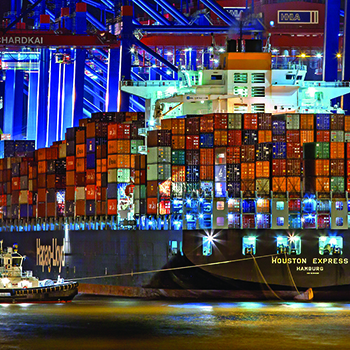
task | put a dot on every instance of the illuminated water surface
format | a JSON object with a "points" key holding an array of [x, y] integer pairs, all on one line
{"points": [[113, 323]]}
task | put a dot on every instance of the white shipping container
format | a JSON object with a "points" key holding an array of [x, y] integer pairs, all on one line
{"points": [[80, 193], [158, 172], [347, 137], [293, 122], [112, 175], [262, 186], [235, 121], [337, 136], [62, 150], [23, 197], [158, 155], [123, 175]]}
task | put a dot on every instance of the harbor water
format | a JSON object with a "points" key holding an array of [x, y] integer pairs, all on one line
{"points": [[91, 322]]}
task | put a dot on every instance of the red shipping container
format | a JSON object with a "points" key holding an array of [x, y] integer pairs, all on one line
{"points": [[90, 192], [101, 208], [294, 150], [247, 171], [80, 165], [264, 136], [234, 138], [164, 207], [279, 167], [42, 153], [293, 136], [323, 221], [293, 167], [262, 169], [42, 167], [206, 172], [220, 138], [248, 188], [152, 205], [42, 194], [192, 125], [112, 131], [247, 153], [294, 205], [248, 221], [192, 157], [265, 121], [337, 150], [15, 183], [250, 121], [90, 176], [322, 136], [206, 156], [220, 121], [337, 167], [112, 207], [278, 138], [70, 163], [206, 124], [233, 155], [123, 131], [192, 142], [178, 141], [80, 137]]}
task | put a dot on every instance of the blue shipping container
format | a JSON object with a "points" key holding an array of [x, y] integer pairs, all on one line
{"points": [[322, 121], [279, 150], [220, 173], [278, 127], [206, 140]]}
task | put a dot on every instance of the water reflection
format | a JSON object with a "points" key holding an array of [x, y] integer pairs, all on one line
{"points": [[112, 323]]}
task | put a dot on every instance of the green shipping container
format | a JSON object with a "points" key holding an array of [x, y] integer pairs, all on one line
{"points": [[135, 146], [178, 157], [322, 150], [337, 184], [123, 175]]}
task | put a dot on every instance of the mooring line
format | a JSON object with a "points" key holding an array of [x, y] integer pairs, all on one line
{"points": [[133, 273]]}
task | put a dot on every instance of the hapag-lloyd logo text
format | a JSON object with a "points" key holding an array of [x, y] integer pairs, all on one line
{"points": [[50, 255]]}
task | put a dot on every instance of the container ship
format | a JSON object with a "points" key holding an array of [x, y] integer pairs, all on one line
{"points": [[239, 193]]}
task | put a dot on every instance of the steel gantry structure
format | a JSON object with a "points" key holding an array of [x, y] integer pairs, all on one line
{"points": [[71, 61]]}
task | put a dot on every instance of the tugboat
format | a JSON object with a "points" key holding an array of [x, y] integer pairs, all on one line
{"points": [[17, 286]]}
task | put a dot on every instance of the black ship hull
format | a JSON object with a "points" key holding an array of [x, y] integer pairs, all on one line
{"points": [[150, 264]]}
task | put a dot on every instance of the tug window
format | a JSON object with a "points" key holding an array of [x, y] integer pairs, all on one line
{"points": [[290, 245], [330, 245], [249, 245], [207, 245]]}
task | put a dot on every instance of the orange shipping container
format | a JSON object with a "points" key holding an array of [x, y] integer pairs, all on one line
{"points": [[264, 136], [123, 161], [70, 178], [80, 151], [250, 121], [178, 173], [112, 161], [279, 184], [42, 194], [80, 208], [178, 126], [306, 136], [42, 167], [220, 138], [90, 176], [206, 124], [42, 153], [347, 123], [80, 136], [123, 146], [247, 171], [206, 156], [112, 147], [262, 169], [322, 167], [90, 130], [293, 184], [322, 184], [80, 165], [166, 124], [206, 172], [337, 150], [307, 121], [322, 136], [178, 141]]}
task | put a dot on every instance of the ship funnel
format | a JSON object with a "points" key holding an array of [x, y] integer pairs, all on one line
{"points": [[253, 45], [231, 45]]}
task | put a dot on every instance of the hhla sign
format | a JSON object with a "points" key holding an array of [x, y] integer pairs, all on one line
{"points": [[298, 17]]}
